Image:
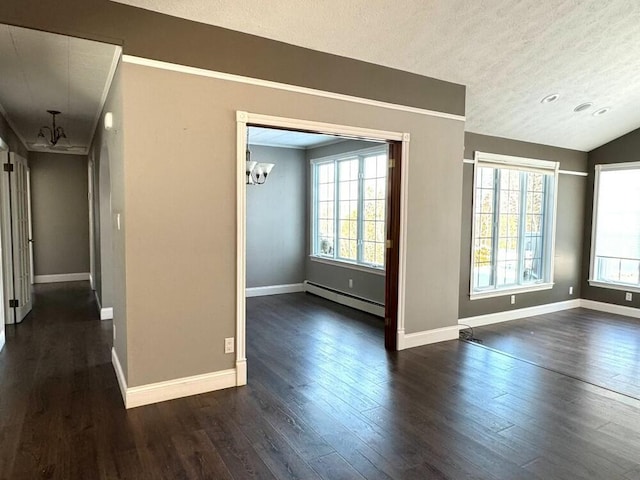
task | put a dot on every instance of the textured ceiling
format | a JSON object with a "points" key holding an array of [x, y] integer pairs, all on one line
{"points": [[43, 71], [509, 53]]}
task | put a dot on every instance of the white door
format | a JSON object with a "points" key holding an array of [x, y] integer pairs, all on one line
{"points": [[31, 273], [4, 318], [15, 235]]}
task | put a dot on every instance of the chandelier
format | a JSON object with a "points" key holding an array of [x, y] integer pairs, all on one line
{"points": [[55, 133], [257, 173]]}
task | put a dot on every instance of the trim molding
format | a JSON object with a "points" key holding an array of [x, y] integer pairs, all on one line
{"points": [[562, 172], [573, 172], [241, 372], [62, 277], [122, 380], [117, 54], [2, 338], [343, 299], [610, 308], [106, 313], [283, 86], [411, 340], [274, 290], [516, 314], [171, 389]]}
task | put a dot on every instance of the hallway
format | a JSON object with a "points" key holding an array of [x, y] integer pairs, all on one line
{"points": [[56, 384]]}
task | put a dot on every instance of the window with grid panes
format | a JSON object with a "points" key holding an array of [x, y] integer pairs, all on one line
{"points": [[349, 207], [513, 224]]}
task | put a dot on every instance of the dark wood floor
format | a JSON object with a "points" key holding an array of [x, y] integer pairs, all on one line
{"points": [[324, 400], [596, 347]]}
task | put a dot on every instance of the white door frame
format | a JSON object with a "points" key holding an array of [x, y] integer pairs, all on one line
{"points": [[5, 233], [243, 119], [30, 219], [92, 253], [4, 156]]}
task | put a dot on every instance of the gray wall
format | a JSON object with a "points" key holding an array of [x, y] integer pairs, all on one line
{"points": [[623, 149], [366, 285], [569, 225], [107, 150], [103, 243], [11, 139], [60, 209], [276, 213]]}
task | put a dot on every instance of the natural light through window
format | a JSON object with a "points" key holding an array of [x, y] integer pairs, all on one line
{"points": [[349, 202], [513, 224], [615, 257]]}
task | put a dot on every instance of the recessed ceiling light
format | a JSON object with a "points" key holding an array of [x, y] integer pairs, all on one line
{"points": [[601, 111], [550, 98], [583, 106]]}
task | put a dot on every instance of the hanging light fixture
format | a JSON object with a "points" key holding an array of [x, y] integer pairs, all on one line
{"points": [[55, 133], [257, 173]]}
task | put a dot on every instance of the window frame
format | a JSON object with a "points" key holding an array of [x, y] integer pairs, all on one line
{"points": [[594, 228], [548, 167], [360, 154]]}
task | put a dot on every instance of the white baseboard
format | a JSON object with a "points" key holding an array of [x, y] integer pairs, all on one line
{"points": [[62, 277], [373, 308], [274, 290], [611, 308], [410, 340], [508, 315], [106, 313], [2, 339], [241, 372], [171, 389], [122, 381]]}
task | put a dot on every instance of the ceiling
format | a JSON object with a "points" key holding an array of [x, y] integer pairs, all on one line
{"points": [[509, 53], [43, 71], [271, 137]]}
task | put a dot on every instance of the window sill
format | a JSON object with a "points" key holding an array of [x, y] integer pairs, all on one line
{"points": [[614, 286], [345, 264], [511, 291]]}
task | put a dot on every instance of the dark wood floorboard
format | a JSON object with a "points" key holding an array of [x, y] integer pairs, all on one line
{"points": [[324, 401], [596, 347]]}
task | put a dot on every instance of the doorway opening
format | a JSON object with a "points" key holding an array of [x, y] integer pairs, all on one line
{"points": [[55, 88], [349, 229]]}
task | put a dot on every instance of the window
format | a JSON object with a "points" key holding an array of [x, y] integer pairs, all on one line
{"points": [[349, 207], [615, 246], [513, 224]]}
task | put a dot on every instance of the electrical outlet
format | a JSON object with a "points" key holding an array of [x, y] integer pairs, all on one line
{"points": [[351, 283], [229, 345], [570, 290], [513, 299], [628, 296]]}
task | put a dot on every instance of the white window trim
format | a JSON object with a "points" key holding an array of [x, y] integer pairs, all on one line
{"points": [[594, 224], [383, 147], [503, 292], [531, 165], [345, 264]]}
